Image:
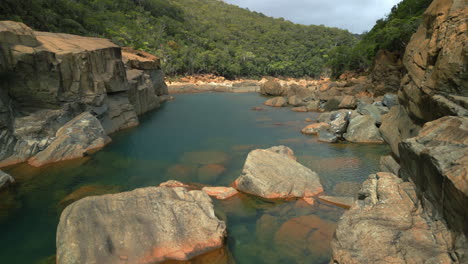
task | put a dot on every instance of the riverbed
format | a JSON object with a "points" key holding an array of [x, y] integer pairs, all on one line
{"points": [[199, 138]]}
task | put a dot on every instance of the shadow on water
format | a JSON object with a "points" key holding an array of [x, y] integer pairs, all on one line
{"points": [[201, 138]]}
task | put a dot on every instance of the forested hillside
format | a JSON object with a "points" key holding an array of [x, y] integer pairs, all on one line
{"points": [[191, 36], [391, 33]]}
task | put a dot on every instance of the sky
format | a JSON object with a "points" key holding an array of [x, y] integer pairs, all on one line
{"points": [[356, 16]]}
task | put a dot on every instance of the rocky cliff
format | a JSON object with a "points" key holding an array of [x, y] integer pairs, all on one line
{"points": [[419, 216], [47, 79], [436, 59]]}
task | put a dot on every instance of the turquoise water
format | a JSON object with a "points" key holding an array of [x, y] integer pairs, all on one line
{"points": [[201, 138]]}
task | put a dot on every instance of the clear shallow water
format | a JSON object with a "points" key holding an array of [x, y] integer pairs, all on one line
{"points": [[202, 138]]}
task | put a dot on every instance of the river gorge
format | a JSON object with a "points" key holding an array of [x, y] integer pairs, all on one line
{"points": [[104, 160], [177, 142]]}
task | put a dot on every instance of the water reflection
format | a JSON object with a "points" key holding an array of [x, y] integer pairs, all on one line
{"points": [[201, 138]]}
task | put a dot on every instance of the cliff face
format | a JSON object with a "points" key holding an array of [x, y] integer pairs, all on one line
{"points": [[436, 57], [420, 216], [48, 79]]}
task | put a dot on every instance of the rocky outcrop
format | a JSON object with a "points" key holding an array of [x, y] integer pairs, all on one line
{"points": [[50, 78], [275, 174], [314, 129], [362, 129], [148, 225], [420, 217], [5, 180], [437, 162], [389, 164], [276, 102], [273, 88], [146, 79], [436, 57], [388, 225], [386, 72], [77, 138], [396, 127]]}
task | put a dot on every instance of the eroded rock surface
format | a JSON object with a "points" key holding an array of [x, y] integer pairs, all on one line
{"points": [[437, 162], [80, 136], [274, 174], [55, 77], [148, 225], [362, 129], [276, 102], [396, 127], [436, 57], [273, 88], [5, 180], [387, 225]]}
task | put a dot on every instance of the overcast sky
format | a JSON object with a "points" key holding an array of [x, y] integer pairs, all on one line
{"points": [[356, 16]]}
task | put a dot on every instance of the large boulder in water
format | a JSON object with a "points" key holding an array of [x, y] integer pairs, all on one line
{"points": [[148, 225], [80, 136], [362, 129], [276, 102], [275, 174], [273, 88], [388, 225]]}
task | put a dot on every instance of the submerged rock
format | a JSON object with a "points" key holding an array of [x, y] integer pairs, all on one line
{"points": [[362, 129], [148, 225], [209, 173], [77, 138], [300, 109], [85, 191], [327, 137], [347, 188], [313, 129], [5, 180], [220, 193], [302, 234], [276, 102], [204, 157], [387, 224], [340, 201], [272, 175]]}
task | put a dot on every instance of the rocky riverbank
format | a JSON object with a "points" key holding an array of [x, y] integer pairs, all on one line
{"points": [[420, 215], [65, 94], [62, 95]]}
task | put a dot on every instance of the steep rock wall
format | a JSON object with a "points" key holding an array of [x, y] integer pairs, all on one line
{"points": [[47, 79], [428, 134], [436, 59]]}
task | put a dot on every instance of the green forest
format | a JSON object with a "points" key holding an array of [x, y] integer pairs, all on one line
{"points": [[391, 33], [211, 36]]}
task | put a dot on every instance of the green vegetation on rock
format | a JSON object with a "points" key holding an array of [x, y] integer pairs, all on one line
{"points": [[191, 36], [391, 33]]}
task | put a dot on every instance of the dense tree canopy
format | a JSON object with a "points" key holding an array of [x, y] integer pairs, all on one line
{"points": [[391, 33], [191, 36]]}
